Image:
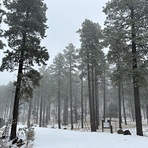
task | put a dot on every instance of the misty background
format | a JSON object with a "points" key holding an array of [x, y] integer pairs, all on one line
{"points": [[64, 19]]}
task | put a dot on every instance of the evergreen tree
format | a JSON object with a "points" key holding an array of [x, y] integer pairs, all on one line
{"points": [[26, 21], [1, 15], [91, 37], [57, 69], [70, 56], [127, 21]]}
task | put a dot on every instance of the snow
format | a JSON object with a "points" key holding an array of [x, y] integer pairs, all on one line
{"points": [[60, 138]]}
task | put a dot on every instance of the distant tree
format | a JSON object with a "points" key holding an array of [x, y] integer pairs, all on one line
{"points": [[57, 69], [112, 110], [70, 56], [26, 21], [91, 38], [42, 95]]}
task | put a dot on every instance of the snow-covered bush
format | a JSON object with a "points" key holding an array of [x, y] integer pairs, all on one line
{"points": [[24, 139]]}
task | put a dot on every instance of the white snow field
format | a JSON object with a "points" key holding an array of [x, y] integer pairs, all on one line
{"points": [[59, 138]]}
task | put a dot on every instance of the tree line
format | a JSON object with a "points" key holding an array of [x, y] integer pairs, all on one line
{"points": [[82, 83]]}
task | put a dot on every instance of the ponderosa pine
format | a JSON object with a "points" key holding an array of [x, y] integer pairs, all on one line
{"points": [[26, 28]]}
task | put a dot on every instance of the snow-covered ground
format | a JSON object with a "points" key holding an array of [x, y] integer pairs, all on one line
{"points": [[59, 138]]}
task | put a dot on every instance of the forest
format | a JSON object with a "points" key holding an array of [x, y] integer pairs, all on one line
{"points": [[82, 85]]}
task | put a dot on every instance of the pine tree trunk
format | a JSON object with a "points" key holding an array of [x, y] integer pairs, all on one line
{"points": [[37, 108], [92, 122], [119, 100], [71, 108], [96, 100], [49, 112], [147, 113], [66, 108], [41, 109], [29, 113], [85, 104], [17, 92], [76, 104], [82, 110], [44, 108], [59, 103], [93, 97], [135, 80], [41, 106], [41, 112], [104, 95], [16, 99], [64, 112], [123, 99]]}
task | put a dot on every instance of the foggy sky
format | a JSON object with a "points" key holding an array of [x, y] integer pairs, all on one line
{"points": [[64, 19]]}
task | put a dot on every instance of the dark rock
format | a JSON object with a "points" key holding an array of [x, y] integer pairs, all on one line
{"points": [[126, 132], [120, 131], [65, 128], [15, 140]]}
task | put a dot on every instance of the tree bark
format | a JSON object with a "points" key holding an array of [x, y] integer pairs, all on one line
{"points": [[119, 100], [41, 106], [82, 110], [16, 101], [123, 101], [29, 113], [104, 95], [93, 96], [17, 91], [135, 79], [92, 122], [147, 113], [71, 107], [76, 105], [96, 100], [59, 99]]}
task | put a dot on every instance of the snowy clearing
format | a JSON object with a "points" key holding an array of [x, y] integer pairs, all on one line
{"points": [[59, 138]]}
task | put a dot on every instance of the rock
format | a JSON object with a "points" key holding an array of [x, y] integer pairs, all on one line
{"points": [[126, 132], [120, 131]]}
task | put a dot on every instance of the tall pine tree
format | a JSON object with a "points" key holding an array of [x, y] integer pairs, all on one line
{"points": [[90, 51], [26, 21], [127, 20]]}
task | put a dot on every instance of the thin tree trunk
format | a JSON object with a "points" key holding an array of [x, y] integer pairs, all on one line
{"points": [[123, 99], [82, 102], [104, 95], [59, 100], [147, 113], [75, 104], [119, 100], [46, 115], [44, 108], [41, 106], [96, 100], [29, 113], [86, 107], [71, 108], [49, 112], [66, 113], [41, 112], [37, 108]]}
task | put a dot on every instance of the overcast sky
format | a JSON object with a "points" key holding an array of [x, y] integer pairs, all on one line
{"points": [[64, 19]]}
